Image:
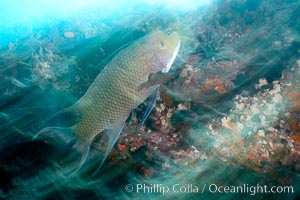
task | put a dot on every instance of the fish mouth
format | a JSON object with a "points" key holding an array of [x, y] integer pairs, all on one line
{"points": [[175, 52]]}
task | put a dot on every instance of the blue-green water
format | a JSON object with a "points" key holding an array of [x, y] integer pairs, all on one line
{"points": [[229, 119]]}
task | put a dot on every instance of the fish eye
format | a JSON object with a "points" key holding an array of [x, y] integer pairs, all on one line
{"points": [[162, 44]]}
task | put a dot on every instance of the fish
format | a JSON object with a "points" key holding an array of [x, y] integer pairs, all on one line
{"points": [[123, 84], [159, 78]]}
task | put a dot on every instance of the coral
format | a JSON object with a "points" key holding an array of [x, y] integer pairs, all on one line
{"points": [[50, 68], [188, 156], [261, 133]]}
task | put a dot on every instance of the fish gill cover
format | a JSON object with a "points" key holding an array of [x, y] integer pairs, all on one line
{"points": [[226, 126]]}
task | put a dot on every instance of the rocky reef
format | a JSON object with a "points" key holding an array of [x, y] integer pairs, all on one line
{"points": [[233, 109]]}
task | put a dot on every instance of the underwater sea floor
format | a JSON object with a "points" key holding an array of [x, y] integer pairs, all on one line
{"points": [[226, 127]]}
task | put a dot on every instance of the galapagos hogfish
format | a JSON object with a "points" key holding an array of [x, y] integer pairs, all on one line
{"points": [[119, 88]]}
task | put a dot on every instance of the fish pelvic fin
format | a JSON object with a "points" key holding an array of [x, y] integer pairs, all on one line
{"points": [[72, 152], [151, 103]]}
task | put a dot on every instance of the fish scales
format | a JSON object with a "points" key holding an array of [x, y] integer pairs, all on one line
{"points": [[115, 92], [111, 103]]}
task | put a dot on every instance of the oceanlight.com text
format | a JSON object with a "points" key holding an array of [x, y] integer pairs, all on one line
{"points": [[210, 188]]}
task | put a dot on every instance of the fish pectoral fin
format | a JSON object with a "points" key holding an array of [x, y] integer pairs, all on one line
{"points": [[151, 103], [67, 117], [157, 78], [113, 135]]}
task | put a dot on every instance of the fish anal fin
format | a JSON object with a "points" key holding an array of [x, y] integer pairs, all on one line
{"points": [[72, 152], [60, 139], [113, 135], [82, 148]]}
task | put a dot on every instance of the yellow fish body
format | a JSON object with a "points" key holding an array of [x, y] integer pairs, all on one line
{"points": [[117, 91]]}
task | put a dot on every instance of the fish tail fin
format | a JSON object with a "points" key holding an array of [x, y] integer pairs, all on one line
{"points": [[72, 151]]}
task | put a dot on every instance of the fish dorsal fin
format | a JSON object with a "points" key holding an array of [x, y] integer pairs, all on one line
{"points": [[67, 117], [106, 60], [113, 135], [123, 38]]}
